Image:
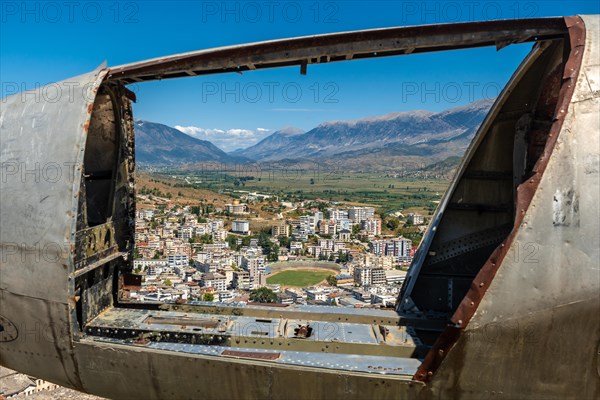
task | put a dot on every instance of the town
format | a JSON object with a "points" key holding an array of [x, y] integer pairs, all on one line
{"points": [[310, 252]]}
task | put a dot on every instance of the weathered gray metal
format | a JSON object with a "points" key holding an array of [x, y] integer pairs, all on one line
{"points": [[519, 329], [42, 136]]}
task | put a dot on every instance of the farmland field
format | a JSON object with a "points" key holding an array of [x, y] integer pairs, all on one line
{"points": [[382, 191]]}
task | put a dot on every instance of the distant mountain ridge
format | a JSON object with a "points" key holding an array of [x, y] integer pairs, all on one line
{"points": [[376, 143], [412, 133], [270, 144], [158, 144]]}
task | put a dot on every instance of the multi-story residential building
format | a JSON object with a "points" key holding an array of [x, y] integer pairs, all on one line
{"points": [[219, 235], [240, 226], [178, 260], [395, 276], [400, 248], [259, 280], [308, 225], [284, 298], [207, 266], [337, 214], [344, 224], [214, 280], [371, 226], [315, 250], [280, 229], [226, 296], [215, 247], [242, 280], [236, 208], [316, 295], [216, 224], [254, 265], [369, 276], [326, 244], [318, 216], [415, 219], [185, 232], [296, 247], [327, 227], [384, 262], [202, 229], [378, 247], [359, 214], [228, 272], [296, 294], [145, 263], [377, 276], [145, 213]]}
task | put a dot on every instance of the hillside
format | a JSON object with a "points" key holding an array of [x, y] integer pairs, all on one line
{"points": [[158, 144], [412, 135]]}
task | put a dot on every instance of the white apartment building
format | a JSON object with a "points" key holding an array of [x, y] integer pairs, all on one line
{"points": [[254, 265], [371, 226], [214, 280], [178, 260], [240, 226], [415, 219], [236, 208], [359, 214]]}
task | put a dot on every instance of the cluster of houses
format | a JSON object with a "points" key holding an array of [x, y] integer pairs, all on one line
{"points": [[189, 256]]}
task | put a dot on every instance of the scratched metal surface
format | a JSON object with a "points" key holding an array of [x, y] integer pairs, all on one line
{"points": [[43, 136], [544, 341]]}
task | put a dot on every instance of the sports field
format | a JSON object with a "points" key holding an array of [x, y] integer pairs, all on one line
{"points": [[299, 278]]}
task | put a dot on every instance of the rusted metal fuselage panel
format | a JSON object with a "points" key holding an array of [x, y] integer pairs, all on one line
{"points": [[530, 321], [41, 157]]}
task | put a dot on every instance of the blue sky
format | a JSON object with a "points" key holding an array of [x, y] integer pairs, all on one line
{"points": [[43, 42]]}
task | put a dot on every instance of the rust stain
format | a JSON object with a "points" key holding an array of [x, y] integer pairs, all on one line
{"points": [[525, 192], [254, 355]]}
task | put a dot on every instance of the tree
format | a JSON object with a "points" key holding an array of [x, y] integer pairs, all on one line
{"points": [[343, 257], [332, 280], [273, 253], [208, 297], [284, 241], [232, 241], [167, 282], [392, 224], [263, 295]]}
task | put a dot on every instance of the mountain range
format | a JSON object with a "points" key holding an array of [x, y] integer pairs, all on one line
{"points": [[158, 144], [367, 143]]}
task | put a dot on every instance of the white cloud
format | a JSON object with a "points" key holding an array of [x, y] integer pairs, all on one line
{"points": [[227, 140]]}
